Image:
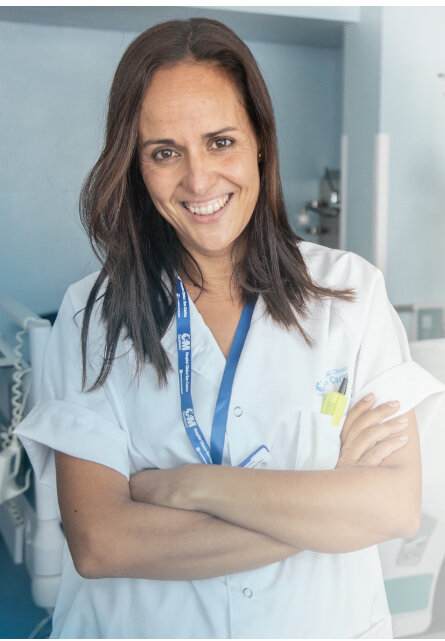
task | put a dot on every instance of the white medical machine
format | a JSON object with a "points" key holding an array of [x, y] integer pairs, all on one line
{"points": [[411, 567], [422, 321], [30, 525]]}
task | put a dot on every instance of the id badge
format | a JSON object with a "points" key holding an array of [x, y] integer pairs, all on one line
{"points": [[258, 459]]}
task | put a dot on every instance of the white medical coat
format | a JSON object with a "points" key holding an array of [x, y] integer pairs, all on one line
{"points": [[276, 399]]}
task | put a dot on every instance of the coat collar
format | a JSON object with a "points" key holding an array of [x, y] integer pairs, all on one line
{"points": [[207, 357]]}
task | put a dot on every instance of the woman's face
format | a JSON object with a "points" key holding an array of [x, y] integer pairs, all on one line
{"points": [[198, 156]]}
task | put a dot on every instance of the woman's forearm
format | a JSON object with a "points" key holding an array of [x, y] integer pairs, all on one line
{"points": [[326, 511], [111, 535], [164, 543]]}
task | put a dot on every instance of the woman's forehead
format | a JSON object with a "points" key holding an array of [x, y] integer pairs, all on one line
{"points": [[200, 94]]}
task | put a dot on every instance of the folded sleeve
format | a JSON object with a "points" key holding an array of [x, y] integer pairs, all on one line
{"points": [[384, 365], [79, 423]]}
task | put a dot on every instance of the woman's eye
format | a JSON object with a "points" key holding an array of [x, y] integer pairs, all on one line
{"points": [[221, 143], [164, 154]]}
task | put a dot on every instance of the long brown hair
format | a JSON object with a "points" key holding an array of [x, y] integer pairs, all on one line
{"points": [[140, 252]]}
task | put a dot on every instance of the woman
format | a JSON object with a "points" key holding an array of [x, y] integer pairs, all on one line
{"points": [[199, 265]]}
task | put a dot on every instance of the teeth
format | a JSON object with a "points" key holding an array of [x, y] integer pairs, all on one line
{"points": [[210, 208]]}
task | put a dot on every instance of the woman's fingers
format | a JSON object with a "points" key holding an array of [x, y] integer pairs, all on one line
{"points": [[358, 410], [382, 450], [369, 434], [374, 434], [362, 416]]}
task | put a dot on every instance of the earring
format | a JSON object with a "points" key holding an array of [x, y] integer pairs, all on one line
{"points": [[259, 156]]}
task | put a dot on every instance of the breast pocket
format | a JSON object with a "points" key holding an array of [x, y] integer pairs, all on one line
{"points": [[318, 442]]}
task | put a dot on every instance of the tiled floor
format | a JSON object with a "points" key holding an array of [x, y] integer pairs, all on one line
{"points": [[18, 614]]}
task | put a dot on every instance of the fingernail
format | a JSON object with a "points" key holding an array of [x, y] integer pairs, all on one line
{"points": [[368, 397], [403, 438], [394, 403], [402, 419]]}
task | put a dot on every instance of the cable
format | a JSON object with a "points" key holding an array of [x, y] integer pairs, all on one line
{"points": [[40, 626], [18, 399]]}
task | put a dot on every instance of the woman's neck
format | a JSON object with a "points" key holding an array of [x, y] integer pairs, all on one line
{"points": [[217, 277]]}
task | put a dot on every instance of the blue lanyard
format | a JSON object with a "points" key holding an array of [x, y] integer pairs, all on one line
{"points": [[215, 452]]}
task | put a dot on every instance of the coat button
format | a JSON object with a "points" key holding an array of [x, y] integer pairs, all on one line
{"points": [[237, 410], [247, 592]]}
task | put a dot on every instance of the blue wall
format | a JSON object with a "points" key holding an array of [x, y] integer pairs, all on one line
{"points": [[54, 83], [413, 113], [392, 61], [306, 89], [361, 103]]}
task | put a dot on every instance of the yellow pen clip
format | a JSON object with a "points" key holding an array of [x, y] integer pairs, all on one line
{"points": [[334, 403]]}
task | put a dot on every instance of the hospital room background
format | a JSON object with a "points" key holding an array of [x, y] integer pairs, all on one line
{"points": [[359, 94]]}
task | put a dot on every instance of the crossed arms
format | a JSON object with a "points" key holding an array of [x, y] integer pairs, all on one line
{"points": [[200, 521]]}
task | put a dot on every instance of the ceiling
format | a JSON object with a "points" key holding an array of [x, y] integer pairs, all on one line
{"points": [[249, 25]]}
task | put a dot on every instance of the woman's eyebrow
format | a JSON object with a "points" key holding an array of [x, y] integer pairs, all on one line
{"points": [[159, 141], [170, 141], [212, 134]]}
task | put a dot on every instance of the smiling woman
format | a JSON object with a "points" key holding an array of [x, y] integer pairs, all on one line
{"points": [[199, 158], [204, 183], [235, 508]]}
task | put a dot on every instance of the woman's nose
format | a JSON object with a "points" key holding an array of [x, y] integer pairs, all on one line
{"points": [[199, 175]]}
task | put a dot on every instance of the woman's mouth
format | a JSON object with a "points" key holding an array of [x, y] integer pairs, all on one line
{"points": [[209, 207]]}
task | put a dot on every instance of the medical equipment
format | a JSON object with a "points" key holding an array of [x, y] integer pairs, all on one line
{"points": [[10, 448], [328, 208], [32, 533], [422, 321], [411, 567], [10, 460]]}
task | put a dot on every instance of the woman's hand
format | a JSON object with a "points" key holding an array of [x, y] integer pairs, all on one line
{"points": [[167, 488], [372, 496], [367, 438]]}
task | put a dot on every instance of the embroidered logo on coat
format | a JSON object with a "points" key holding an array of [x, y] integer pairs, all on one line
{"points": [[331, 380]]}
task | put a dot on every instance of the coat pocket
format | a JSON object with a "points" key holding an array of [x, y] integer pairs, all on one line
{"points": [[318, 442]]}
